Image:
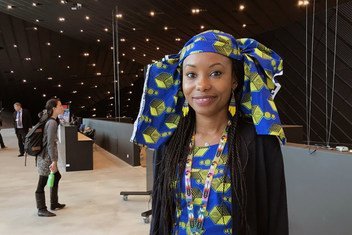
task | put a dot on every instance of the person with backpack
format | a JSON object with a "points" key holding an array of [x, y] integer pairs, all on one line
{"points": [[47, 159]]}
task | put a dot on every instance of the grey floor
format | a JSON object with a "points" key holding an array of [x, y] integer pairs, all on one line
{"points": [[94, 205]]}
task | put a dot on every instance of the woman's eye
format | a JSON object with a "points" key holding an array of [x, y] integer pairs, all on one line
{"points": [[191, 75], [216, 74]]}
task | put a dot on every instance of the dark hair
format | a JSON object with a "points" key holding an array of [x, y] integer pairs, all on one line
{"points": [[174, 160], [50, 105], [18, 104]]}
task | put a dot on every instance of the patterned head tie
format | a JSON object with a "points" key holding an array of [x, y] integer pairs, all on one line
{"points": [[162, 99]]}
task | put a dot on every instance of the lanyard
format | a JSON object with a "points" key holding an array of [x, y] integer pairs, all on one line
{"points": [[196, 226]]}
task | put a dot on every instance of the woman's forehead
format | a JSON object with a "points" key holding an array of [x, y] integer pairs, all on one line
{"points": [[206, 58]]}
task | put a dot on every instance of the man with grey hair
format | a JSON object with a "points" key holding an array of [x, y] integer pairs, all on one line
{"points": [[22, 122]]}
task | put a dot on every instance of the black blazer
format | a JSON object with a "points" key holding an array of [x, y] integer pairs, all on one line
{"points": [[265, 180], [26, 120]]}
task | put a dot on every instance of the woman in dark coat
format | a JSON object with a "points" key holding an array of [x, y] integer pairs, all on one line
{"points": [[47, 159], [209, 113]]}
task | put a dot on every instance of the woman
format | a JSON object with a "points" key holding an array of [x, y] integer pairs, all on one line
{"points": [[209, 113], [47, 159]]}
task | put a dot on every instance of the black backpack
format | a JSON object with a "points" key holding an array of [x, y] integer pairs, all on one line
{"points": [[33, 144]]}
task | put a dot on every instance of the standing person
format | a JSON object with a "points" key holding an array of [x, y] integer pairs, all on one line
{"points": [[2, 145], [209, 114], [47, 159], [22, 122]]}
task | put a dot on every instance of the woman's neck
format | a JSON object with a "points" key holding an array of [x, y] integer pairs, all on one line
{"points": [[212, 125], [54, 116]]}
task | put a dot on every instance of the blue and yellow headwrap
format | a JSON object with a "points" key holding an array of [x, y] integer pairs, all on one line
{"points": [[162, 99]]}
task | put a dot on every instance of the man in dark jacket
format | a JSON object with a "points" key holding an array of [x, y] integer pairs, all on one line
{"points": [[22, 122]]}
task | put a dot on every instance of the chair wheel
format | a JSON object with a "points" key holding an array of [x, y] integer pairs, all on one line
{"points": [[125, 197], [146, 220]]}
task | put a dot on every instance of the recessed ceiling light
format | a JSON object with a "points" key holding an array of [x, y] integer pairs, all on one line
{"points": [[166, 28], [34, 88], [59, 85], [37, 20], [147, 39], [134, 29], [28, 58], [130, 92], [144, 55], [68, 66], [123, 54], [74, 92], [133, 60], [98, 40], [89, 97], [48, 43], [111, 97], [82, 83], [95, 86], [152, 13], [93, 64], [24, 80], [132, 84], [121, 71], [136, 75], [63, 2], [98, 73], [129, 99], [81, 31], [50, 78], [244, 26], [34, 4], [241, 7], [12, 71], [133, 48], [118, 62], [86, 54], [10, 6], [35, 28], [157, 48], [142, 69], [82, 107], [61, 19], [44, 95], [177, 39], [61, 31], [59, 56], [87, 17], [106, 29], [303, 3], [195, 11], [202, 27], [119, 15], [40, 69], [14, 45], [123, 40]]}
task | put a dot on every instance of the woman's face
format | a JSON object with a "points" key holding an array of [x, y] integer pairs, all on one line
{"points": [[59, 109], [207, 82]]}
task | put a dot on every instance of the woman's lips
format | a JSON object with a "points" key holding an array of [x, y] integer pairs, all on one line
{"points": [[203, 100]]}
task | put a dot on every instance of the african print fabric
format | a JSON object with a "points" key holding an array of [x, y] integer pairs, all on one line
{"points": [[162, 99], [218, 213]]}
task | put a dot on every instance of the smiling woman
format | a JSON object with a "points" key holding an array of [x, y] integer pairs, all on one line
{"points": [[209, 113]]}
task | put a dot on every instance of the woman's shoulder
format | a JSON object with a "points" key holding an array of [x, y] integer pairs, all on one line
{"points": [[51, 123]]}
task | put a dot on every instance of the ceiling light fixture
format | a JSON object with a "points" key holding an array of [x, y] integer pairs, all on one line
{"points": [[123, 40], [303, 3], [34, 88], [10, 7], [63, 2], [61, 31], [59, 85], [241, 7], [98, 40], [98, 73], [133, 48], [14, 45], [37, 20], [81, 31], [59, 56], [86, 54], [34, 4], [202, 27], [11, 71], [106, 30], [87, 18], [93, 64], [68, 66], [147, 39], [133, 60], [28, 58], [89, 97], [95, 86], [166, 28], [152, 13], [244, 26], [48, 44], [123, 54], [157, 48], [24, 80], [195, 11], [144, 55], [177, 39], [44, 95], [35, 28], [50, 78], [61, 19], [82, 83], [74, 92], [134, 29], [119, 15]]}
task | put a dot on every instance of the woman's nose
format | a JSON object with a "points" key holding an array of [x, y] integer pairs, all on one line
{"points": [[203, 83]]}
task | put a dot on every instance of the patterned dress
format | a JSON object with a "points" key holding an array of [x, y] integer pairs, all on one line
{"points": [[218, 214]]}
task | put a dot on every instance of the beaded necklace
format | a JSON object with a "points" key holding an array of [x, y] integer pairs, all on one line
{"points": [[196, 226]]}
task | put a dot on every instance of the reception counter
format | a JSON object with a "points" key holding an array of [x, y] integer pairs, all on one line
{"points": [[75, 150]]}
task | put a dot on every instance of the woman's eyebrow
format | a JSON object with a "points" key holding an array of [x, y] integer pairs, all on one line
{"points": [[215, 65]]}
